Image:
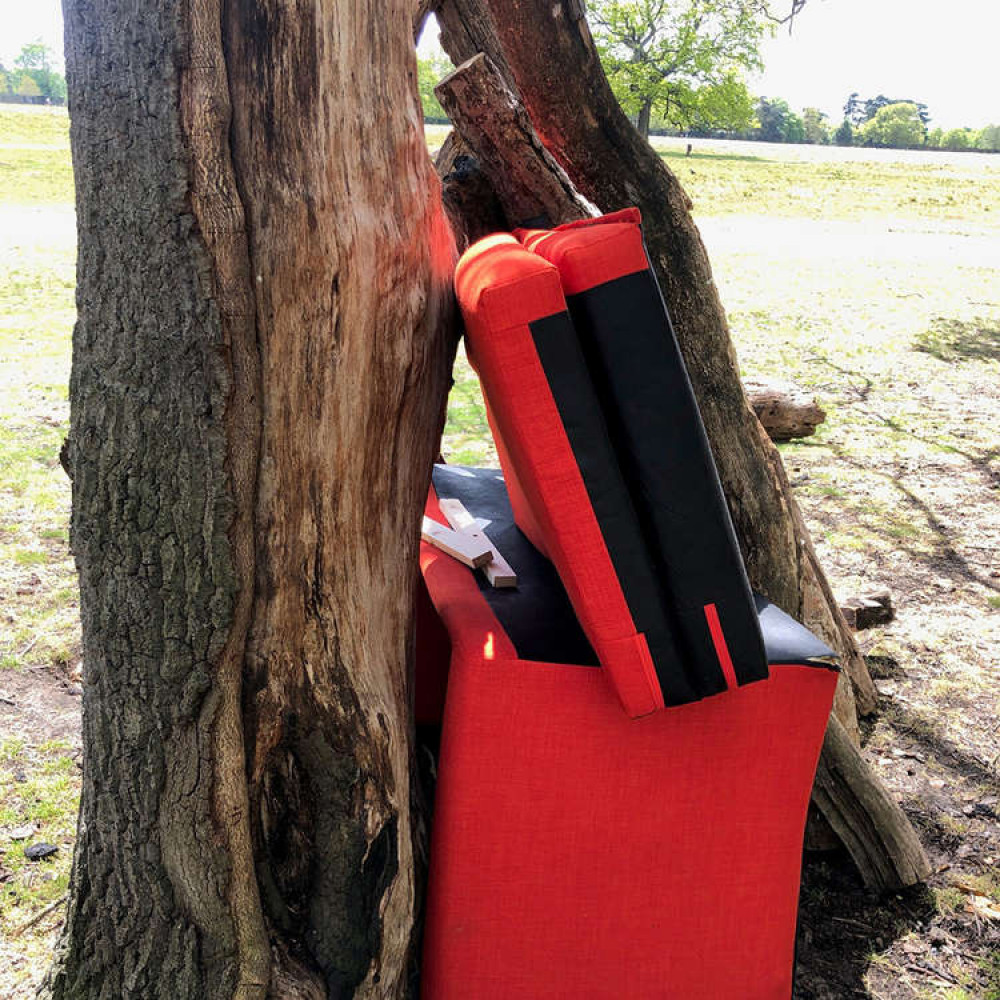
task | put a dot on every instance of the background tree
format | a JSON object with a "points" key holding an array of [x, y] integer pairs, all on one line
{"points": [[429, 72], [854, 110], [815, 126], [898, 126], [875, 104], [681, 58], [957, 139], [27, 87], [35, 61], [988, 139], [778, 123], [844, 136]]}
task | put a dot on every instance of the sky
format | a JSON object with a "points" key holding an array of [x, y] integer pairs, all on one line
{"points": [[944, 54]]}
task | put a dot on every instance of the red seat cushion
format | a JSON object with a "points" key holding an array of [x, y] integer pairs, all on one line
{"points": [[578, 853]]}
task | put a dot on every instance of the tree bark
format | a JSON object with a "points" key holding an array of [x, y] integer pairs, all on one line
{"points": [[642, 120], [260, 366], [875, 830]]}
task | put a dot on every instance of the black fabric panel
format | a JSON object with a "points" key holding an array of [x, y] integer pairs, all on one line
{"points": [[569, 380], [664, 454], [537, 615]]}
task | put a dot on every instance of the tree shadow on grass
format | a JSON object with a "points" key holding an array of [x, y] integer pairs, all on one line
{"points": [[950, 339], [676, 154]]}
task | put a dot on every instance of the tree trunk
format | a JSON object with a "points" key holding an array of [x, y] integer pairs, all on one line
{"points": [[642, 120], [259, 374]]}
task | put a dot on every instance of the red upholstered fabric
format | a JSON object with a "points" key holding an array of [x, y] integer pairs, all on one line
{"points": [[608, 252], [577, 853], [502, 288]]}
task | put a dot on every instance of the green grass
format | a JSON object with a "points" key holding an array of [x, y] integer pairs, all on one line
{"points": [[40, 787], [923, 193], [35, 166], [37, 310], [34, 127]]}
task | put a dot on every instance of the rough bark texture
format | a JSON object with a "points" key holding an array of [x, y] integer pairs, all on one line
{"points": [[873, 827], [259, 372], [472, 206], [532, 187], [751, 467], [560, 80]]}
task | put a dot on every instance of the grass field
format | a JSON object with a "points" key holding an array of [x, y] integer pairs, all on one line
{"points": [[872, 280]]}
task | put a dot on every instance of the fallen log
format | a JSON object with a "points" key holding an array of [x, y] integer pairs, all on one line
{"points": [[786, 411], [868, 611]]}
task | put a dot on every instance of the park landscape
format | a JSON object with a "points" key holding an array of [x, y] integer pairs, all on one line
{"points": [[869, 277]]}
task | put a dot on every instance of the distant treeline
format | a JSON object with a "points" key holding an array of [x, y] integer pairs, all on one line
{"points": [[32, 80], [878, 121]]}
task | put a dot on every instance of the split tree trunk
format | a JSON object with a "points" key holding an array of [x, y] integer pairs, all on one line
{"points": [[259, 375], [776, 543]]}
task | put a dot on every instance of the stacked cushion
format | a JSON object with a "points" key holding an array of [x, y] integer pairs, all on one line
{"points": [[605, 457]]}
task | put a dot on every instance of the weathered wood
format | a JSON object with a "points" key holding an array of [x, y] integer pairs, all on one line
{"points": [[469, 199], [564, 90], [868, 611], [864, 816], [260, 367], [784, 410], [530, 185]]}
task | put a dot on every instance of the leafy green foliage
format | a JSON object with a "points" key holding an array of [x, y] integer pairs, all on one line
{"points": [[844, 136], [33, 75], [896, 125], [858, 112], [27, 87], [817, 129], [682, 61], [429, 74], [778, 123], [957, 139], [988, 139]]}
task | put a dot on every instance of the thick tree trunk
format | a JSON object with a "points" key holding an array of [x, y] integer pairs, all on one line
{"points": [[751, 468], [259, 374]]}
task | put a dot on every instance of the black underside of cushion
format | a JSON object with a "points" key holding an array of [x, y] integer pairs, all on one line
{"points": [[537, 615], [654, 423]]}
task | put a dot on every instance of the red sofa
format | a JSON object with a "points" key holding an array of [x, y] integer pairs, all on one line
{"points": [[628, 738]]}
